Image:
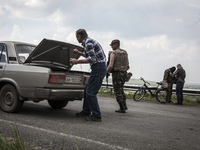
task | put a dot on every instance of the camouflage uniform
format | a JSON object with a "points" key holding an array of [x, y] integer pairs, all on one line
{"points": [[119, 74], [168, 77], [118, 84], [121, 65]]}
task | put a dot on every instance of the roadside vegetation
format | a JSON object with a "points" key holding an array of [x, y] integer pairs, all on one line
{"points": [[16, 142], [187, 100]]}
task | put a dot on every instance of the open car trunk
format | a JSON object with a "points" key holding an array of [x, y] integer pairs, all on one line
{"points": [[53, 54]]}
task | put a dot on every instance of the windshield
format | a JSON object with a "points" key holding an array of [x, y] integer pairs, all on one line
{"points": [[3, 55], [24, 51]]}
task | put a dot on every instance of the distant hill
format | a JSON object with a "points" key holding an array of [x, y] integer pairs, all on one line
{"points": [[192, 86], [133, 82], [153, 83]]}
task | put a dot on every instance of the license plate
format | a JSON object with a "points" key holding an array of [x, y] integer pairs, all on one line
{"points": [[73, 79]]}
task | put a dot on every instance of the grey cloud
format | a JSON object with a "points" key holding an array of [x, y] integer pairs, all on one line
{"points": [[129, 20]]}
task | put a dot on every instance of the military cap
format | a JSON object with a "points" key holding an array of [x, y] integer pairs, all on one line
{"points": [[114, 42]]}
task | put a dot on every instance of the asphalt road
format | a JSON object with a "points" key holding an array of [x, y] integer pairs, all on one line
{"points": [[145, 126]]}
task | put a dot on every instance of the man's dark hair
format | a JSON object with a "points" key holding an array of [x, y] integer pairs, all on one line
{"points": [[172, 69], [82, 32], [179, 65]]}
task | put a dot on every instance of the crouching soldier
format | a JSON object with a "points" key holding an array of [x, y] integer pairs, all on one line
{"points": [[168, 78]]}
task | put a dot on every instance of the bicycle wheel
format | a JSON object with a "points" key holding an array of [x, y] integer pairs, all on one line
{"points": [[139, 94], [161, 95]]}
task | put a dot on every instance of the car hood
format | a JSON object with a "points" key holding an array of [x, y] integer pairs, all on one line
{"points": [[54, 52]]}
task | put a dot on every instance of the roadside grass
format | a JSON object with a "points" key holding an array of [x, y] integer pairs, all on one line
{"points": [[16, 141], [77, 145], [187, 100]]}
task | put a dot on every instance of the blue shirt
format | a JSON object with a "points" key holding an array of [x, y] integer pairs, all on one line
{"points": [[93, 51]]}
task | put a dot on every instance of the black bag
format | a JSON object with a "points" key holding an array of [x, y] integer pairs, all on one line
{"points": [[175, 79]]}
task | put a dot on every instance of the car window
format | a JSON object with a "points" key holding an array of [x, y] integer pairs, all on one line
{"points": [[24, 51], [3, 55]]}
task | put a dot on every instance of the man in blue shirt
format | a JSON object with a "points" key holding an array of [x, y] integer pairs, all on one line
{"points": [[94, 55]]}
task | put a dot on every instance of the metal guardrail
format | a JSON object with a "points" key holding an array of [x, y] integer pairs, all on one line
{"points": [[192, 92]]}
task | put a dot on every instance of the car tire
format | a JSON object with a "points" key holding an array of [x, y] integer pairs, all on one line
{"points": [[57, 104], [9, 100]]}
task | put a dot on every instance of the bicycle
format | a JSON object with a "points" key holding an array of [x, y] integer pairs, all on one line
{"points": [[159, 93]]}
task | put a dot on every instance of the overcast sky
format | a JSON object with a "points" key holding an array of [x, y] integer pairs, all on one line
{"points": [[157, 34]]}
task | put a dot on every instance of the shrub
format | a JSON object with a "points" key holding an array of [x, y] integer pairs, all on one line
{"points": [[198, 100]]}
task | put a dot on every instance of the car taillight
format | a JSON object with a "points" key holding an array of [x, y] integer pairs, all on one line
{"points": [[86, 78], [57, 78]]}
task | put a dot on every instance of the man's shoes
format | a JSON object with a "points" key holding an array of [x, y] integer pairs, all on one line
{"points": [[82, 114], [92, 118], [177, 104], [126, 108], [120, 111]]}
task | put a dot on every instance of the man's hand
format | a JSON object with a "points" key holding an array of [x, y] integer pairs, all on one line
{"points": [[74, 61], [76, 51]]}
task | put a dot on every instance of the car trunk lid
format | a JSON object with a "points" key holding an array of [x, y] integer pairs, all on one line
{"points": [[54, 53]]}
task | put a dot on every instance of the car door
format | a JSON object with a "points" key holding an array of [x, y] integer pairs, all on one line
{"points": [[3, 58]]}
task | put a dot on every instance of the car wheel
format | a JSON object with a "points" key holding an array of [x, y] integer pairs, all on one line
{"points": [[9, 100], [57, 104]]}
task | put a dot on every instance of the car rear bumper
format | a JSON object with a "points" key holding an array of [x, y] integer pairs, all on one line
{"points": [[59, 94]]}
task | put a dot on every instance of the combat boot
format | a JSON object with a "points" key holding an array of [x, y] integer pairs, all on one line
{"points": [[122, 108], [125, 106]]}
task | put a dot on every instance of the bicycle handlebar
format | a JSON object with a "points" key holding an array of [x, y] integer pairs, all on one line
{"points": [[144, 80], [160, 83]]}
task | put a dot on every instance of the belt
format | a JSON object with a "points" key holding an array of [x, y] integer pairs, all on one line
{"points": [[119, 71]]}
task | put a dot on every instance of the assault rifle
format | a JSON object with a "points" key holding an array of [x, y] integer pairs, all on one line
{"points": [[107, 74]]}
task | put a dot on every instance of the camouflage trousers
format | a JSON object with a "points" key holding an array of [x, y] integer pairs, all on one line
{"points": [[118, 79], [169, 94]]}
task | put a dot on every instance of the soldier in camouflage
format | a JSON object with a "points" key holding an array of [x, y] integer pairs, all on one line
{"points": [[118, 66], [168, 77]]}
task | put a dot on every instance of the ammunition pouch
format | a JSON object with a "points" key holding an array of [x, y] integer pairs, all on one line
{"points": [[128, 76]]}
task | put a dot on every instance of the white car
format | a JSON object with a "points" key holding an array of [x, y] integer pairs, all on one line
{"points": [[36, 73]]}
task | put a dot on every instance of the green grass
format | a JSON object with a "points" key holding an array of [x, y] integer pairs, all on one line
{"points": [[16, 141], [77, 145]]}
